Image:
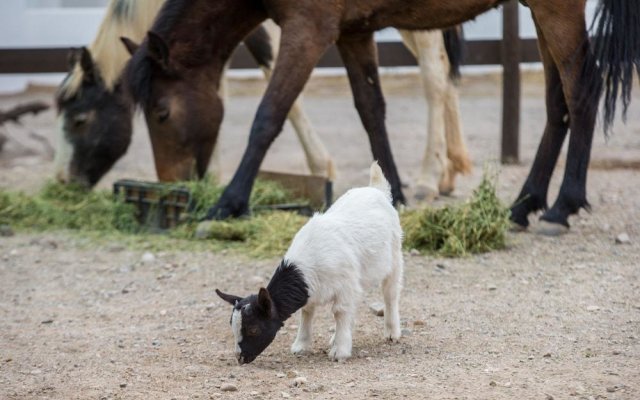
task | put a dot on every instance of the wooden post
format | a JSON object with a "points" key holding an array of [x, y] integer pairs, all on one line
{"points": [[511, 53]]}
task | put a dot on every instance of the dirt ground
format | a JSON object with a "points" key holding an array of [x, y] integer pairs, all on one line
{"points": [[548, 318]]}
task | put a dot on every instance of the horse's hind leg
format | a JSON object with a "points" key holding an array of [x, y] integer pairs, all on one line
{"points": [[459, 161], [564, 28], [533, 195], [264, 48], [428, 48], [360, 58]]}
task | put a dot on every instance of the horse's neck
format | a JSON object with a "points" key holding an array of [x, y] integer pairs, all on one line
{"points": [[124, 18]]}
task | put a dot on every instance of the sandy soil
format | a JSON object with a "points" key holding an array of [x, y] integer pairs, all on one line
{"points": [[547, 318]]}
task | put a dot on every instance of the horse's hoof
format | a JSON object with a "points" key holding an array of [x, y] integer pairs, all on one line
{"points": [[425, 194], [517, 228], [547, 228]]}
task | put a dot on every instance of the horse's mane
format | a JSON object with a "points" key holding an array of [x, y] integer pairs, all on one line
{"points": [[130, 18], [139, 69]]}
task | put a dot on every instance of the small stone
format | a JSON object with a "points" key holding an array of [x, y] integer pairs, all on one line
{"points": [[148, 257], [614, 388], [418, 323], [593, 308], [441, 266], [549, 397], [547, 355], [163, 312], [414, 252], [492, 287], [280, 375], [299, 381], [377, 309], [123, 385], [229, 387], [292, 374], [6, 231], [35, 372], [285, 395], [531, 357], [623, 238], [47, 321], [493, 383], [406, 332]]}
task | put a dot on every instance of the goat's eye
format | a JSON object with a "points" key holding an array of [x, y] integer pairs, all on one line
{"points": [[253, 331]]}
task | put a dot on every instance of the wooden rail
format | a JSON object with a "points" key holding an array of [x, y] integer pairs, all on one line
{"points": [[477, 52]]}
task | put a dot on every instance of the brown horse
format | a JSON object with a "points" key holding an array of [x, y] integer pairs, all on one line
{"points": [[191, 41]]}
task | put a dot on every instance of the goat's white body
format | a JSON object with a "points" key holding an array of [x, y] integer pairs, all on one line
{"points": [[355, 244]]}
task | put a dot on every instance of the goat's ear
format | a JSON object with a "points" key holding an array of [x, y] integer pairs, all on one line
{"points": [[264, 302], [129, 44], [88, 66], [229, 298], [158, 50]]}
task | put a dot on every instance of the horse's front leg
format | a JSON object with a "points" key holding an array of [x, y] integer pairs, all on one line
{"points": [[360, 58], [301, 47], [263, 44]]}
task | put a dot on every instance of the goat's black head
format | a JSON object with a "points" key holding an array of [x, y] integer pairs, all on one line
{"points": [[254, 322]]}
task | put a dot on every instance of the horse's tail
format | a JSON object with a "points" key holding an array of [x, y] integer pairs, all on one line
{"points": [[454, 45], [616, 48]]}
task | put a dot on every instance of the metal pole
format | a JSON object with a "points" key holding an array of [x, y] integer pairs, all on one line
{"points": [[511, 53]]}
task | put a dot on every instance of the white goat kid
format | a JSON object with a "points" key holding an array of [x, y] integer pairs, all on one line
{"points": [[356, 243]]}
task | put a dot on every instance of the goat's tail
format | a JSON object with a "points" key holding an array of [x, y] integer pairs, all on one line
{"points": [[378, 181]]}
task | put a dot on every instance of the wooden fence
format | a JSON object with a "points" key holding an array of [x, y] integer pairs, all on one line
{"points": [[509, 52]]}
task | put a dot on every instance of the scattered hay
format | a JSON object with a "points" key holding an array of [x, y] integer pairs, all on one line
{"points": [[478, 225]]}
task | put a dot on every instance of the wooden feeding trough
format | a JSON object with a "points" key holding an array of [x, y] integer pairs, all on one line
{"points": [[162, 206], [159, 206]]}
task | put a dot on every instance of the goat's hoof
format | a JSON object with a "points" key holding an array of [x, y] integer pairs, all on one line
{"points": [[547, 228], [339, 355], [300, 349], [393, 337]]}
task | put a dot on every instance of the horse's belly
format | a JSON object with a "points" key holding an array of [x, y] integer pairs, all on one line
{"points": [[370, 15]]}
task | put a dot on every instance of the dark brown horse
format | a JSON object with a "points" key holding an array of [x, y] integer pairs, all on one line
{"points": [[191, 41]]}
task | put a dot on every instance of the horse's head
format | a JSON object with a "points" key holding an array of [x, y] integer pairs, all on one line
{"points": [[94, 123], [181, 107]]}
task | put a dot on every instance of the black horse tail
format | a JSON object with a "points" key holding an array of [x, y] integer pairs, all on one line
{"points": [[454, 45], [616, 50]]}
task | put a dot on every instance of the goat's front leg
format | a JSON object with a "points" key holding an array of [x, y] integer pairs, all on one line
{"points": [[341, 342], [304, 340], [301, 47], [360, 57]]}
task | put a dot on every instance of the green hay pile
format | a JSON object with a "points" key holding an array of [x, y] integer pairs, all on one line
{"points": [[66, 207], [478, 225]]}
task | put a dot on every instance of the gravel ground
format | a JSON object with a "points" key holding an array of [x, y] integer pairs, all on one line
{"points": [[547, 318]]}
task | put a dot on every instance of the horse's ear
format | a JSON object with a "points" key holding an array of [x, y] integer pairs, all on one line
{"points": [[129, 44], [72, 58], [158, 49], [87, 65], [229, 298]]}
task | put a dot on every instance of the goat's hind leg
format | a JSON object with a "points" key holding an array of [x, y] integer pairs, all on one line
{"points": [[304, 340], [391, 287]]}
